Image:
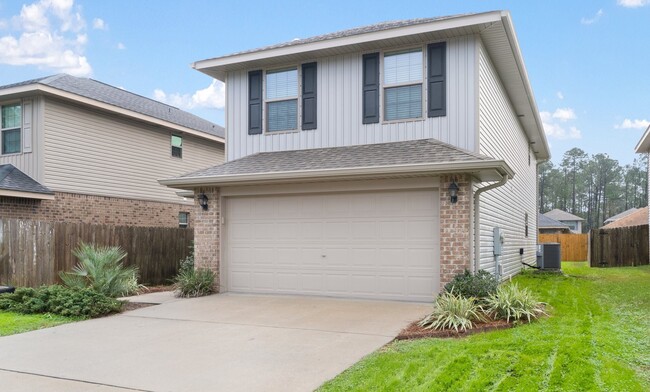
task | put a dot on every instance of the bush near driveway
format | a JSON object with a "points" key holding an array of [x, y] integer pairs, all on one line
{"points": [[596, 339], [59, 300]]}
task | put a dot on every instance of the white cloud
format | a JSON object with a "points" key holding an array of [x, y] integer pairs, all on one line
{"points": [[99, 24], [555, 129], [213, 96], [121, 46], [50, 36], [560, 95], [633, 3], [594, 19], [564, 114], [633, 124]]}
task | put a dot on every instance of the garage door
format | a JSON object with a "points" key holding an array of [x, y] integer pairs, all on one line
{"points": [[379, 245]]}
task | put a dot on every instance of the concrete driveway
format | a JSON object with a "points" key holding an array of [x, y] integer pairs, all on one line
{"points": [[222, 342]]}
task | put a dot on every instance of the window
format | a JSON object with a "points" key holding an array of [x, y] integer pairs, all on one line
{"points": [[403, 77], [177, 146], [402, 84], [183, 219], [282, 100], [10, 128]]}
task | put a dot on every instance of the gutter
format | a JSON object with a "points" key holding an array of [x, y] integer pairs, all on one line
{"points": [[500, 166], [477, 228]]}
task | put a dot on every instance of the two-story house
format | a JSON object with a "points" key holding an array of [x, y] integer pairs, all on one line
{"points": [[78, 150], [375, 162]]}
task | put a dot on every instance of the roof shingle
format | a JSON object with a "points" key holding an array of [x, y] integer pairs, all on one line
{"points": [[12, 179], [368, 155]]}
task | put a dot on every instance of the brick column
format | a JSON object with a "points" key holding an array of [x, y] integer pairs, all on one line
{"points": [[454, 228], [207, 232]]}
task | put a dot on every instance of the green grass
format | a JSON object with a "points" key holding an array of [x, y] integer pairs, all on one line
{"points": [[13, 323], [597, 339]]}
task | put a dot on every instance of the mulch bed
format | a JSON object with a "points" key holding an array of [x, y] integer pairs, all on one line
{"points": [[156, 289], [414, 331], [135, 305]]}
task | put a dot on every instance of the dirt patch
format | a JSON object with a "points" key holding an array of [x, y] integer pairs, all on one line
{"points": [[414, 331]]}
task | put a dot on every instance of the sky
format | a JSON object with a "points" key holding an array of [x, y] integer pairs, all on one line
{"points": [[587, 60]]}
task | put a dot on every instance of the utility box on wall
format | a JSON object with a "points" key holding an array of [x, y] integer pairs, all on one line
{"points": [[498, 240]]}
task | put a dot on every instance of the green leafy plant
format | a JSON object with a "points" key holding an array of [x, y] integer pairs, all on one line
{"points": [[453, 311], [479, 285], [194, 282], [100, 268], [513, 303], [56, 299]]}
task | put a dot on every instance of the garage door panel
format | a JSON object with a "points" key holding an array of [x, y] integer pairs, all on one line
{"points": [[335, 230], [380, 244]]}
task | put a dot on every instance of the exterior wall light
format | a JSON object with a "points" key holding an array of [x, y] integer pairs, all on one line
{"points": [[453, 191], [203, 201]]}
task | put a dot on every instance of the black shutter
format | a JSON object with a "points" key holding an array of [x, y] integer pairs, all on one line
{"points": [[254, 102], [309, 120], [436, 75], [371, 88]]}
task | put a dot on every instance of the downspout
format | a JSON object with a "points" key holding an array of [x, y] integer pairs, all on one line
{"points": [[477, 227]]}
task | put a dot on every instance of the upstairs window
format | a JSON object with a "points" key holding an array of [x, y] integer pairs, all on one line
{"points": [[403, 78], [177, 146], [282, 100], [10, 128]]}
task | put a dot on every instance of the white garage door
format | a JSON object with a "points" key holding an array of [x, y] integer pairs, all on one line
{"points": [[380, 245]]}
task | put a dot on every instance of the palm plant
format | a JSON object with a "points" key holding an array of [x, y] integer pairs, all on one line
{"points": [[101, 269]]}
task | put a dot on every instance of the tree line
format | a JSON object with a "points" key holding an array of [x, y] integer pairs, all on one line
{"points": [[593, 187]]}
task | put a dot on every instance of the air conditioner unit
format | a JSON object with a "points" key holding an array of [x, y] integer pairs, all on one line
{"points": [[549, 256]]}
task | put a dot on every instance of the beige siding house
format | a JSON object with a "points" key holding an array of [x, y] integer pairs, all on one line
{"points": [[376, 162], [100, 150]]}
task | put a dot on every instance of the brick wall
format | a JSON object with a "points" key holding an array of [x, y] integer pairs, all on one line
{"points": [[71, 207], [455, 228], [207, 234]]}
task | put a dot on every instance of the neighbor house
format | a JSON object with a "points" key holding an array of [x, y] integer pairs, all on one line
{"points": [[616, 217], [574, 222], [546, 225], [637, 218], [78, 150], [376, 162]]}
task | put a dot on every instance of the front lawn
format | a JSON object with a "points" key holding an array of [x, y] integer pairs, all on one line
{"points": [[12, 323], [596, 339]]}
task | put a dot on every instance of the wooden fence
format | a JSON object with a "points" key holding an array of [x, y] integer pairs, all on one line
{"points": [[574, 247], [620, 247], [33, 252]]}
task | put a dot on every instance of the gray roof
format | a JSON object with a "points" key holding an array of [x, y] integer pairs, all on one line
{"points": [[394, 24], [561, 216], [120, 98], [368, 155], [544, 222], [12, 179]]}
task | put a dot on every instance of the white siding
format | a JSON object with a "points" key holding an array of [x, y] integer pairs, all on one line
{"points": [[90, 152], [501, 136], [28, 161], [339, 109]]}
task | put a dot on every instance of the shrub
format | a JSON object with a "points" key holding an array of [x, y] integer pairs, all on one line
{"points": [[479, 285], [512, 303], [192, 282], [453, 311], [100, 268], [64, 301]]}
